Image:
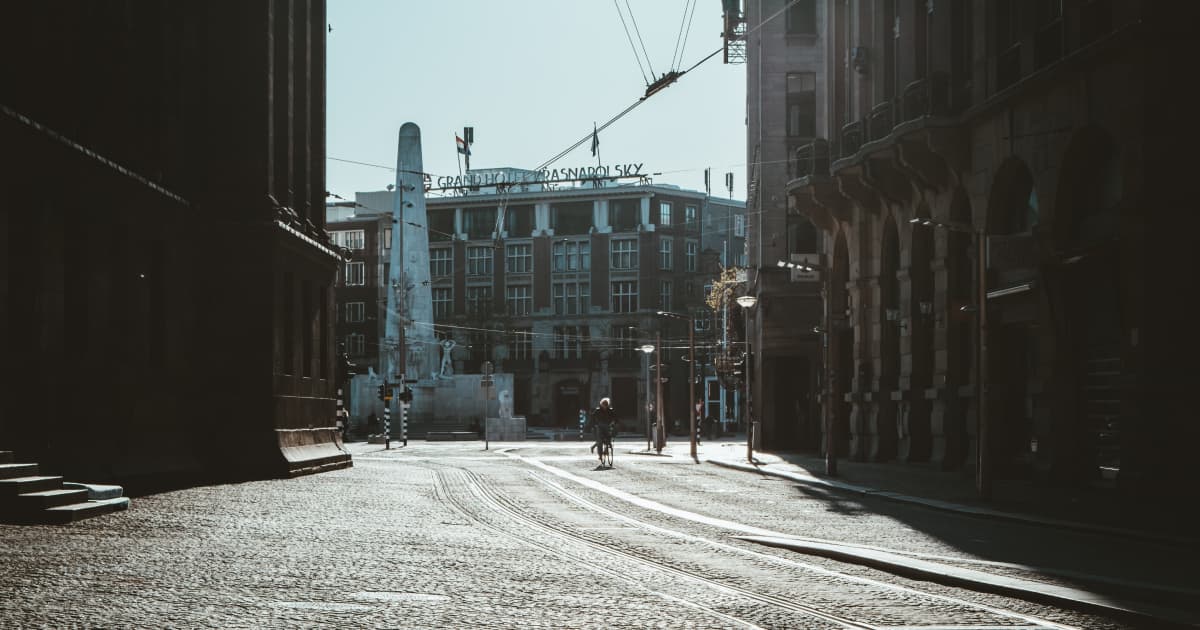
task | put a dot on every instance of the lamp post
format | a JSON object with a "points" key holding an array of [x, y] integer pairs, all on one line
{"points": [[691, 376], [747, 302], [658, 406], [646, 350], [983, 461]]}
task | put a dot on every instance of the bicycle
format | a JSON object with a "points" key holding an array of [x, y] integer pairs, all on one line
{"points": [[606, 453]]}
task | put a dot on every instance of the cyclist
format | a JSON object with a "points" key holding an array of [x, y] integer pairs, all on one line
{"points": [[604, 424]]}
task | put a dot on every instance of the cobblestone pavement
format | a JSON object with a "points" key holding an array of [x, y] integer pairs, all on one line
{"points": [[531, 535]]}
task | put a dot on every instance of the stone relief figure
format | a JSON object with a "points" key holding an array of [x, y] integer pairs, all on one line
{"points": [[506, 405], [447, 367]]}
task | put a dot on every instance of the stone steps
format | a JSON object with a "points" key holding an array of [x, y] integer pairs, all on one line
{"points": [[27, 497]]}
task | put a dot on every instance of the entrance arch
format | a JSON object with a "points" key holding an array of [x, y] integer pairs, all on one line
{"points": [[920, 316], [841, 349], [1014, 212], [1090, 338], [884, 446]]}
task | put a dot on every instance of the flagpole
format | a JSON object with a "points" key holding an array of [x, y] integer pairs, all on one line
{"points": [[596, 143]]}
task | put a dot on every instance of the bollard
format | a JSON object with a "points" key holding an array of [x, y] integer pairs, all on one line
{"points": [[387, 426], [404, 422]]}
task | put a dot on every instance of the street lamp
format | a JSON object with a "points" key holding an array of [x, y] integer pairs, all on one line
{"points": [[983, 462], [691, 375], [747, 302], [646, 350]]}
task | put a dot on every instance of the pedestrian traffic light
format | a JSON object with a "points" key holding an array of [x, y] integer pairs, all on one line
{"points": [[382, 392], [345, 369]]}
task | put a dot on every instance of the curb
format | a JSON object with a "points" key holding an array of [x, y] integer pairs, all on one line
{"points": [[1075, 599], [958, 508]]}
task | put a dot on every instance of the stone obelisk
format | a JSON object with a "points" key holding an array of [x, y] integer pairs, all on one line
{"points": [[412, 346]]}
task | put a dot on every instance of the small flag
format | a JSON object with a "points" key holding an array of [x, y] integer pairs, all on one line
{"points": [[595, 140], [462, 145]]}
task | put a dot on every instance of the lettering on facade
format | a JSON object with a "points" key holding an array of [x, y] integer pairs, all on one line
{"points": [[544, 176]]}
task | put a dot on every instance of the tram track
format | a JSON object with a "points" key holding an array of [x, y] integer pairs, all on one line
{"points": [[486, 496], [482, 493]]}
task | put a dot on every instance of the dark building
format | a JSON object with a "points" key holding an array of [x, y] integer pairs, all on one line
{"points": [[1022, 156], [164, 273]]}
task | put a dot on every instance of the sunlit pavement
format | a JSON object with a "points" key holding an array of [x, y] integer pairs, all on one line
{"points": [[531, 534]]}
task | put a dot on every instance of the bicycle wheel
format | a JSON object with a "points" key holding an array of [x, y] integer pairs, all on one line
{"points": [[607, 457]]}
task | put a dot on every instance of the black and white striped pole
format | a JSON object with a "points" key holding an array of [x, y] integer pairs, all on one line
{"points": [[387, 416]]}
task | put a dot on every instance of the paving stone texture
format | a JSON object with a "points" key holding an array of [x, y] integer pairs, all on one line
{"points": [[532, 535]]}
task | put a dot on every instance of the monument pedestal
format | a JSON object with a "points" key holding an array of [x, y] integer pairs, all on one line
{"points": [[506, 429]]}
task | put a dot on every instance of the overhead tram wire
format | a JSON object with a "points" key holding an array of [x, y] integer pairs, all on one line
{"points": [[628, 36], [688, 32], [639, 34]]}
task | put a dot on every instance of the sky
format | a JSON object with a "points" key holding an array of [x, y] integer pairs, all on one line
{"points": [[531, 77]]}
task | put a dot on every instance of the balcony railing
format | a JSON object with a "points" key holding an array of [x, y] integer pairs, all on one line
{"points": [[852, 138], [812, 159], [880, 121], [926, 97]]}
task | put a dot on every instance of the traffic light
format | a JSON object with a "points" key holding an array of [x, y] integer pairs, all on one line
{"points": [[383, 392], [405, 395]]}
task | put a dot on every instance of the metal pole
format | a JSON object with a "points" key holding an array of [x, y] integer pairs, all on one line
{"points": [[983, 477], [387, 416], [749, 406], [649, 432], [830, 442], [692, 382], [658, 406]]}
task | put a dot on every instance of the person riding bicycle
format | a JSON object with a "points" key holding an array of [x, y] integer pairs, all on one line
{"points": [[604, 423]]}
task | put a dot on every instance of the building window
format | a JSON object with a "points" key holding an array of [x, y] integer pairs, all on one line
{"points": [[571, 298], [440, 263], [739, 225], [802, 17], [627, 340], [479, 222], [624, 215], [441, 225], [355, 274], [801, 235], [664, 254], [350, 239], [519, 258], [689, 259], [801, 104], [689, 216], [479, 261], [518, 221], [387, 239], [519, 299], [664, 213], [571, 218], [355, 312], [625, 296], [443, 302], [624, 253], [572, 256], [664, 295], [479, 301], [570, 342], [356, 344], [522, 344]]}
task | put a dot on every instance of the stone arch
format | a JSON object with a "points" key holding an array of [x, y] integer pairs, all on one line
{"points": [[921, 338], [841, 346], [889, 340], [960, 331]]}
